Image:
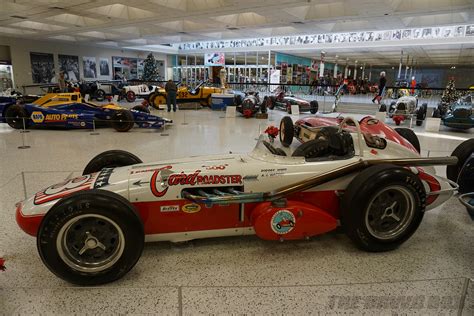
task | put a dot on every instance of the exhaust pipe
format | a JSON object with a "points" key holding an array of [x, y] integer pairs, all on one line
{"points": [[312, 182]]}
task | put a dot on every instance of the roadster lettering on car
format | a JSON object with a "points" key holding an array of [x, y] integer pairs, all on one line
{"points": [[91, 230]]}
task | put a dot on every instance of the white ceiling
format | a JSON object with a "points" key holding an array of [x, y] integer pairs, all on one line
{"points": [[143, 22]]}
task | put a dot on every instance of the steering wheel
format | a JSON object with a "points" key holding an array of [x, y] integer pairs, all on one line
{"points": [[273, 150]]}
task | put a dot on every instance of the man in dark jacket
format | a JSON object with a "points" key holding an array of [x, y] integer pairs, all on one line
{"points": [[382, 83], [171, 89]]}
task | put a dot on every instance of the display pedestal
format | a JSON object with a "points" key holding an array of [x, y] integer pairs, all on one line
{"points": [[432, 124], [230, 111], [295, 109]]}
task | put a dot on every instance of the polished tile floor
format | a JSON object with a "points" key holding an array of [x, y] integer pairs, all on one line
{"points": [[430, 274]]}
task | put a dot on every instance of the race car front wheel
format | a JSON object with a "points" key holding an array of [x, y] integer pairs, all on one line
{"points": [[130, 96], [314, 106], [91, 237], [463, 151], [382, 207], [122, 121], [111, 159], [16, 116], [99, 95], [287, 131]]}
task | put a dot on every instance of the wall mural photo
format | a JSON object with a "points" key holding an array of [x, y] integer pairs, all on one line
{"points": [[89, 67], [70, 66], [104, 67], [42, 68]]}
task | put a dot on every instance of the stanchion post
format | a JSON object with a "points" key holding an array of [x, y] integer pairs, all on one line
{"points": [[94, 132], [184, 118], [24, 127], [23, 142]]}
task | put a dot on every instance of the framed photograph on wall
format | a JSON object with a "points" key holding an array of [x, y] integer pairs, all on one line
{"points": [[104, 67], [70, 66], [89, 67], [42, 68]]}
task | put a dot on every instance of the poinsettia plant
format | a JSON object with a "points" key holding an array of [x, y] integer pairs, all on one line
{"points": [[272, 132]]}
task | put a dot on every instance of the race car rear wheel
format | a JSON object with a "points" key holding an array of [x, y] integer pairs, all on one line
{"points": [[382, 207], [287, 131], [410, 136], [141, 108], [151, 99], [269, 102], [314, 106], [99, 95], [130, 96], [111, 159], [383, 108], [462, 152], [91, 237], [157, 100], [122, 121], [16, 116]]}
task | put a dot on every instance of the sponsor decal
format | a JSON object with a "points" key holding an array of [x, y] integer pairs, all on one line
{"points": [[191, 208], [169, 208], [191, 179], [60, 117], [60, 190], [283, 222], [217, 167], [37, 117]]}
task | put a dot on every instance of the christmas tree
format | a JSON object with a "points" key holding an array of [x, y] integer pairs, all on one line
{"points": [[450, 94], [150, 69]]}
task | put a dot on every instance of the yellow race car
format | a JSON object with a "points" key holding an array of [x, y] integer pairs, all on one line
{"points": [[202, 94]]}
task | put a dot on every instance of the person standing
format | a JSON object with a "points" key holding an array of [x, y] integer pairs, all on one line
{"points": [[171, 90], [62, 82], [382, 83]]}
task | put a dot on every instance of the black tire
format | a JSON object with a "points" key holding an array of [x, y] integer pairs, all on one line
{"points": [[383, 108], [130, 96], [141, 108], [287, 131], [462, 152], [436, 113], [367, 187], [99, 95], [314, 107], [122, 120], [420, 116], [237, 100], [14, 116], [288, 107], [270, 102], [263, 108], [410, 136], [151, 99], [114, 223], [111, 159], [312, 149]]}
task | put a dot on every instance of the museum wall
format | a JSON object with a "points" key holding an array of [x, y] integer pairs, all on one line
{"points": [[20, 56]]}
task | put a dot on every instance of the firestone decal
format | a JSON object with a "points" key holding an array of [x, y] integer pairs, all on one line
{"points": [[191, 208], [283, 222], [191, 179]]}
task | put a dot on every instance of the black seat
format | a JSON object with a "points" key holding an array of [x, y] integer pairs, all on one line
{"points": [[328, 142]]}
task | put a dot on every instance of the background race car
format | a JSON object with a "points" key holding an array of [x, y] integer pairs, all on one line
{"points": [[457, 115], [132, 92], [69, 110], [201, 93], [250, 104], [405, 108], [282, 101]]}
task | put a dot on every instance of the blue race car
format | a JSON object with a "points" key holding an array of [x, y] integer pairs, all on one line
{"points": [[69, 110], [458, 114]]}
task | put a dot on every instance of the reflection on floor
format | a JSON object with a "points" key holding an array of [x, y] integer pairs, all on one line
{"points": [[429, 274]]}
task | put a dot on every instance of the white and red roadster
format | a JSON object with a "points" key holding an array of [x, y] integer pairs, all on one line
{"points": [[91, 229]]}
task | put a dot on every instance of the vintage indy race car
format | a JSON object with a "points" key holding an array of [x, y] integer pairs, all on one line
{"points": [[457, 115], [131, 93], [250, 104], [284, 102], [91, 229], [405, 108], [201, 93], [70, 111], [312, 127]]}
